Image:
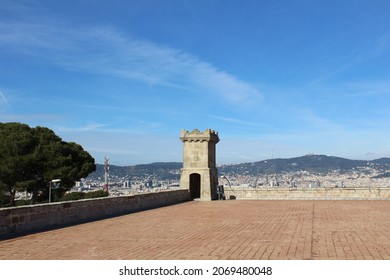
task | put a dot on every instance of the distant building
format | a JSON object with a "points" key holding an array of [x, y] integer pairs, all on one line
{"points": [[315, 184], [149, 184], [126, 184], [273, 183]]}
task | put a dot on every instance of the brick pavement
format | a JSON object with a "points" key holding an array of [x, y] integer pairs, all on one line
{"points": [[222, 230]]}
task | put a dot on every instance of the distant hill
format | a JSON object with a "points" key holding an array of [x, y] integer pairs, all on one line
{"points": [[310, 163], [163, 170]]}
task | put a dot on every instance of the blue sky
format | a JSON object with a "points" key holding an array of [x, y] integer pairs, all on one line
{"points": [[274, 78]]}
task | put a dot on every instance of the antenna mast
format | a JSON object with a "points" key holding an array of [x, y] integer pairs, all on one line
{"points": [[106, 169]]}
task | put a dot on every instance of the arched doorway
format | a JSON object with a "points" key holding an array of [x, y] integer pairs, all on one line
{"points": [[195, 185]]}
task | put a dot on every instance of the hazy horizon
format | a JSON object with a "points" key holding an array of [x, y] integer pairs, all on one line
{"points": [[218, 164]]}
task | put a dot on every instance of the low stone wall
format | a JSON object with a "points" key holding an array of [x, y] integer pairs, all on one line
{"points": [[309, 193], [24, 219]]}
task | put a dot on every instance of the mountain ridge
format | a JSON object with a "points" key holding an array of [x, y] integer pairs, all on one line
{"points": [[311, 163]]}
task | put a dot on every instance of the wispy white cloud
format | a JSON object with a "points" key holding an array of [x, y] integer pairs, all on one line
{"points": [[4, 104], [361, 54], [127, 147], [366, 88], [313, 121], [237, 121], [133, 126], [103, 50], [85, 128], [161, 65]]}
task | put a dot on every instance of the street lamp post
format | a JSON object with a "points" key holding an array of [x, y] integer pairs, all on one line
{"points": [[50, 184], [224, 177], [230, 185]]}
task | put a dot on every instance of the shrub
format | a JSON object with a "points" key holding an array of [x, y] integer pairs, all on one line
{"points": [[22, 202], [72, 196], [83, 195], [5, 200], [96, 194]]}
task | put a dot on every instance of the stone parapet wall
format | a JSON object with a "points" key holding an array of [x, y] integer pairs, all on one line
{"points": [[24, 219], [309, 193]]}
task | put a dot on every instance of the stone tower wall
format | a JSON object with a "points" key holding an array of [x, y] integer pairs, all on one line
{"points": [[199, 157]]}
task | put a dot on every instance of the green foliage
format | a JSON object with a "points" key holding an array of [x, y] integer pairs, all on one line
{"points": [[83, 195], [17, 146], [96, 194], [22, 202], [31, 157], [72, 196], [5, 200]]}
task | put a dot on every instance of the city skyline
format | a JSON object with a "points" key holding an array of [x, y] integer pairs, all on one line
{"points": [[275, 79]]}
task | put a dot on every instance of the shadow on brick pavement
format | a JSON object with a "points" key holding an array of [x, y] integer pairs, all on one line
{"points": [[236, 230]]}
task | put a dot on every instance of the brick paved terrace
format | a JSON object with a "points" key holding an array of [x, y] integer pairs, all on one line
{"points": [[238, 230]]}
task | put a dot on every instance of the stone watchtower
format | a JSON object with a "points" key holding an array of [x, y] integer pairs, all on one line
{"points": [[199, 173]]}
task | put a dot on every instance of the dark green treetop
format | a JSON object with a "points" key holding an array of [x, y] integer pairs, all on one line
{"points": [[31, 157]]}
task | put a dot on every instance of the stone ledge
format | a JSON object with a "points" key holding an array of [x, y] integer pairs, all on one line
{"points": [[310, 193], [26, 219]]}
